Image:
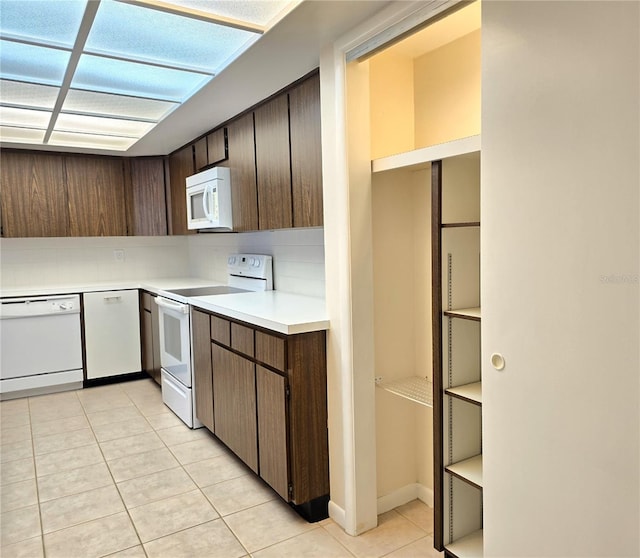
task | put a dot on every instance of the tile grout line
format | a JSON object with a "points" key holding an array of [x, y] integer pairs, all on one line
{"points": [[115, 484], [35, 479]]}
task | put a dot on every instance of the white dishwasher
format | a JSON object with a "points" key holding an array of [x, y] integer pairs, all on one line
{"points": [[41, 345], [112, 333]]}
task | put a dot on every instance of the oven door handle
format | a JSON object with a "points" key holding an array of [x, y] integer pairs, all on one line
{"points": [[171, 305]]}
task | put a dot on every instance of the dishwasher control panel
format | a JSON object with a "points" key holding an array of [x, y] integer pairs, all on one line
{"points": [[39, 306]]}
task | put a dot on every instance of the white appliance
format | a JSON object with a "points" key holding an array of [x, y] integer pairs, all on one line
{"points": [[41, 345], [112, 333], [246, 272], [209, 199]]}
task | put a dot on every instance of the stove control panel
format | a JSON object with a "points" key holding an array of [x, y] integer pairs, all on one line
{"points": [[254, 266]]}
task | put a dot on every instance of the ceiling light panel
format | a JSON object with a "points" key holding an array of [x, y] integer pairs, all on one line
{"points": [[108, 75], [21, 135], [90, 102], [31, 63], [260, 12], [27, 94], [27, 118], [45, 21], [101, 125], [69, 139], [147, 35], [140, 60]]}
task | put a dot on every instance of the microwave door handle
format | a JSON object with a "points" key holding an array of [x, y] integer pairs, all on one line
{"points": [[205, 202]]}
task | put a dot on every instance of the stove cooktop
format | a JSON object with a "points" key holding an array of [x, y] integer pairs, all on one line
{"points": [[206, 291]]}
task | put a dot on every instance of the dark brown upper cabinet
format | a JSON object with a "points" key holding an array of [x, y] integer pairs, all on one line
{"points": [[211, 149], [95, 188], [217, 148], [146, 200], [200, 153], [273, 164], [34, 195], [242, 162], [306, 153], [180, 166]]}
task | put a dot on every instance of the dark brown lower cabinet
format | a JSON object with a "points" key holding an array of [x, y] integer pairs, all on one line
{"points": [[272, 429], [234, 404], [203, 383], [150, 336], [267, 394]]}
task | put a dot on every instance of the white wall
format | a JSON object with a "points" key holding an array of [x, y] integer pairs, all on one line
{"points": [[298, 256], [34, 262], [560, 265]]}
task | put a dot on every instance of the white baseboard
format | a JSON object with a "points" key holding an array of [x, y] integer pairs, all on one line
{"points": [[337, 514], [404, 495]]}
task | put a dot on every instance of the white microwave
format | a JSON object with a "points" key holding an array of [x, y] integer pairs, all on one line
{"points": [[209, 199]]}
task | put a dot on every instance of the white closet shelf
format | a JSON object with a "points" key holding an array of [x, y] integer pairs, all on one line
{"points": [[464, 313], [467, 392], [467, 547], [469, 470], [424, 155], [414, 388]]}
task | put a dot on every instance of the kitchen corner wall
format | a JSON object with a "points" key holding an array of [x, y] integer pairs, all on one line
{"points": [[298, 256], [36, 262]]}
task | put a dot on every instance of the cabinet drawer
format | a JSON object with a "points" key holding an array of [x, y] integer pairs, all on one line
{"points": [[242, 339], [147, 301], [270, 350], [221, 330]]}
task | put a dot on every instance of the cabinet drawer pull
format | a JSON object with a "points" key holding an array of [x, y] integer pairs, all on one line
{"points": [[115, 297]]}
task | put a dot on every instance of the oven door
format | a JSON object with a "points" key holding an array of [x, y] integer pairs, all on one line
{"points": [[175, 353]]}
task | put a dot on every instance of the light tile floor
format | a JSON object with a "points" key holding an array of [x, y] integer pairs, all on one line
{"points": [[110, 471]]}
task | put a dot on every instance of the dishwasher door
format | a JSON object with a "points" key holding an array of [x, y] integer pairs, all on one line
{"points": [[40, 342]]}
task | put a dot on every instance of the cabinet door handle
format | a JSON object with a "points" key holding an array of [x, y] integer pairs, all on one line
{"points": [[114, 297]]}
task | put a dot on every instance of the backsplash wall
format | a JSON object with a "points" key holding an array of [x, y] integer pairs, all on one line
{"points": [[33, 262], [298, 257]]}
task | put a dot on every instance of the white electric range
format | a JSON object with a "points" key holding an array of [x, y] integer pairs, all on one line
{"points": [[246, 273]]}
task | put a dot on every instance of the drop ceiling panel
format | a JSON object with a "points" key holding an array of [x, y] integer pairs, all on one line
{"points": [[10, 116], [259, 12], [131, 32], [27, 94], [108, 75], [31, 63], [21, 135], [102, 125], [90, 102], [52, 22], [70, 139]]}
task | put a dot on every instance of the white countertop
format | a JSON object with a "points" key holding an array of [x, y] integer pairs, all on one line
{"points": [[275, 310], [283, 312]]}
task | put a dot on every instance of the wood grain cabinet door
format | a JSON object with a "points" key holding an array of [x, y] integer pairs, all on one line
{"points": [[148, 206], [272, 430], [34, 196], [242, 163], [95, 187], [273, 164], [217, 146], [200, 154], [306, 153], [234, 404], [151, 344], [203, 381], [180, 166]]}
